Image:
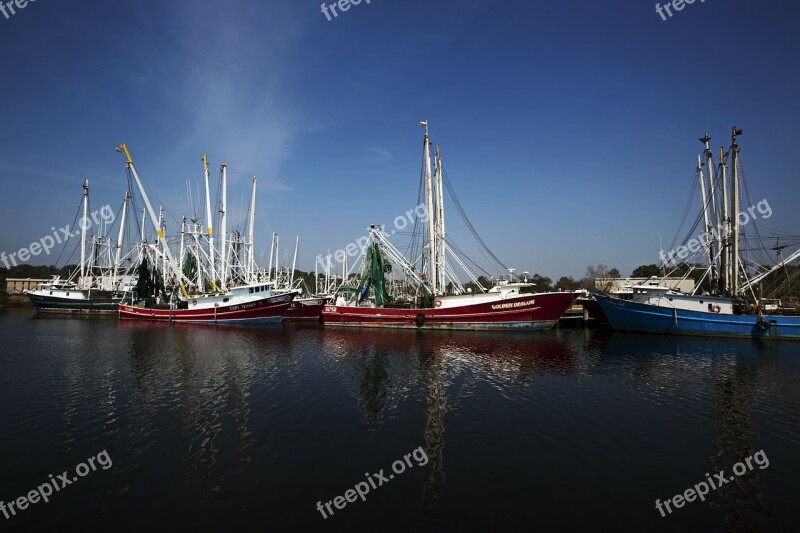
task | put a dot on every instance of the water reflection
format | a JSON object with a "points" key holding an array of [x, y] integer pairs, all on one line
{"points": [[203, 377], [728, 372], [202, 418]]}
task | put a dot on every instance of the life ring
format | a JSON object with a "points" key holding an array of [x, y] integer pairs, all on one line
{"points": [[438, 303], [715, 308], [420, 320]]}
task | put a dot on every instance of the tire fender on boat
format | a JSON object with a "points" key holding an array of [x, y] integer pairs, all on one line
{"points": [[420, 320]]}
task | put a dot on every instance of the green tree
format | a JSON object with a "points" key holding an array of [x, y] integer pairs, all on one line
{"points": [[542, 283], [646, 271], [567, 283]]}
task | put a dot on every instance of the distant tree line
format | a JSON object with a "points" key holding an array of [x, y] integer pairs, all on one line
{"points": [[779, 284], [39, 272]]}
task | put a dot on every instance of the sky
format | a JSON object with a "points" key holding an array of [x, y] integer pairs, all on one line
{"points": [[569, 129]]}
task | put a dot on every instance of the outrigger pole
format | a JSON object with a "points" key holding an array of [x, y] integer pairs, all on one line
{"points": [[159, 231]]}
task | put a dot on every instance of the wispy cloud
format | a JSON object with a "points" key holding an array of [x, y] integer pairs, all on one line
{"points": [[377, 154], [225, 77]]}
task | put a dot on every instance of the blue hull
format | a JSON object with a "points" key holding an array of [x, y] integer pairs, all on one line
{"points": [[625, 315], [53, 304]]}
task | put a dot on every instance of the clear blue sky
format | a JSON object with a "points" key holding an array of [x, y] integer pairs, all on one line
{"points": [[568, 128]]}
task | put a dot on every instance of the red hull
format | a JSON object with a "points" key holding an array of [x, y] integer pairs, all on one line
{"points": [[267, 310], [532, 311], [306, 309]]}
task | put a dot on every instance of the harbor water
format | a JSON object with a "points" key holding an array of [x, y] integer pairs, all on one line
{"points": [[247, 428]]}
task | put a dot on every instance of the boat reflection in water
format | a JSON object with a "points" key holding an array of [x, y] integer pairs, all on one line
{"points": [[385, 368], [686, 368], [201, 417]]}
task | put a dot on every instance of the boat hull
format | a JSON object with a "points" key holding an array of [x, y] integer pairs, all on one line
{"points": [[626, 315], [91, 306], [265, 311], [306, 309], [531, 312]]}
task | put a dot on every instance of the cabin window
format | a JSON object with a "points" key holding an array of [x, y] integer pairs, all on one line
{"points": [[51, 293], [67, 294], [670, 299], [225, 299], [251, 290], [701, 302]]}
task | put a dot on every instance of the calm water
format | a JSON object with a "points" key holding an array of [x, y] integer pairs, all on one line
{"points": [[247, 428]]}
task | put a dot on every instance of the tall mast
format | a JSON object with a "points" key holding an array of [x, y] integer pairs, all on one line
{"points": [[160, 240], [735, 215], [344, 270], [210, 226], [223, 257], [84, 223], [144, 221], [440, 253], [709, 160], [277, 257], [121, 234], [129, 164], [183, 237], [250, 232], [725, 229], [328, 274], [706, 219], [294, 261], [429, 205], [714, 218], [271, 256]]}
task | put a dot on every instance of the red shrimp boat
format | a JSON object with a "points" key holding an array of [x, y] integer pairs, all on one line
{"points": [[430, 294], [306, 309], [249, 303], [504, 311]]}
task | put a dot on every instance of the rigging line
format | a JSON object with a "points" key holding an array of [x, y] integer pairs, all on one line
{"points": [[464, 256], [451, 192], [685, 214], [77, 214]]}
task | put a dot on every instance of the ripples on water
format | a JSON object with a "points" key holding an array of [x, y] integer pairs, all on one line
{"points": [[234, 427]]}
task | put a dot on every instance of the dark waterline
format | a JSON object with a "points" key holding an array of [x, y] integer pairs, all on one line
{"points": [[247, 428]]}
